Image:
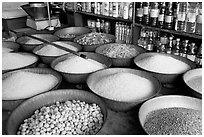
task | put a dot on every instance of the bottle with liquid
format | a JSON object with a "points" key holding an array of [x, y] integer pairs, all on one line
{"points": [[198, 29], [92, 7], [130, 12], [175, 13], [161, 15], [199, 57], [191, 53], [102, 26], [154, 13], [176, 48], [107, 27], [150, 42], [169, 45], [115, 9], [125, 10], [191, 17], [98, 25], [139, 12], [184, 49], [142, 39], [181, 17], [111, 9], [168, 21], [146, 8]]}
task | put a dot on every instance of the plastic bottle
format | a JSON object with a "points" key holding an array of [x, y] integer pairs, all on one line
{"points": [[139, 12], [191, 17], [154, 13], [181, 17], [146, 8], [161, 15], [168, 21], [198, 29]]}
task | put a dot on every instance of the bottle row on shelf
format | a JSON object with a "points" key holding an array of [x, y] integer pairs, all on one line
{"points": [[114, 9], [154, 41], [179, 16], [99, 25]]}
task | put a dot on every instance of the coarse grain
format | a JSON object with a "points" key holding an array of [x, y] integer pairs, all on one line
{"points": [[196, 83], [26, 84], [124, 86], [174, 121], [163, 64], [77, 64], [71, 125]]}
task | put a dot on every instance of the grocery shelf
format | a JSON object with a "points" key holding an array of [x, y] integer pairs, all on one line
{"points": [[170, 31]]}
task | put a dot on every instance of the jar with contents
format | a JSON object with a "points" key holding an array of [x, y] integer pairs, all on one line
{"points": [[139, 12], [181, 17], [168, 21], [191, 17], [198, 29], [161, 15], [154, 13], [146, 8]]}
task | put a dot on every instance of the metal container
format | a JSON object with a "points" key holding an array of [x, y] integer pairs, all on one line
{"points": [[12, 104], [77, 78], [27, 108]]}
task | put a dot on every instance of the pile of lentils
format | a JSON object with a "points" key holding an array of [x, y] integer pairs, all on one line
{"points": [[94, 38], [174, 121], [64, 118]]}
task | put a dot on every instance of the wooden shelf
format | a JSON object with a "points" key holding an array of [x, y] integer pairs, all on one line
{"points": [[105, 17], [171, 31]]}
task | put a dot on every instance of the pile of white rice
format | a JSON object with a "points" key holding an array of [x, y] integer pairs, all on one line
{"points": [[24, 84], [125, 87], [50, 50], [17, 60], [163, 64], [76, 64]]}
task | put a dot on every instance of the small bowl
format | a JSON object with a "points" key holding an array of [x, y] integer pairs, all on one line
{"points": [[89, 48], [12, 45], [34, 64], [162, 77], [27, 108], [167, 101], [48, 59], [12, 104], [120, 105], [77, 31], [190, 75], [29, 46], [120, 62], [79, 78]]}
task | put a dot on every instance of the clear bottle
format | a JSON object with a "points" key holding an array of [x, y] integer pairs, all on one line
{"points": [[161, 15], [169, 45], [181, 17], [154, 13], [117, 30], [150, 42], [125, 10], [191, 53], [168, 21], [115, 9], [184, 49], [176, 48], [130, 12], [146, 8], [199, 57], [191, 17], [139, 12], [198, 29], [98, 25]]}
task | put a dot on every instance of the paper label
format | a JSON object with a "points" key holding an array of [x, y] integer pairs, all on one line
{"points": [[154, 13]]}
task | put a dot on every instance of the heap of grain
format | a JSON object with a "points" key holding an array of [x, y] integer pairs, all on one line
{"points": [[163, 64], [125, 87], [75, 64], [22, 84], [174, 121], [17, 60], [50, 50], [120, 51], [195, 83], [66, 118], [6, 50]]}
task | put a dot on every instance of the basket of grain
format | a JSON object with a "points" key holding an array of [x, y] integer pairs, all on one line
{"points": [[8, 46], [172, 115], [48, 53], [193, 82], [76, 69], [70, 33], [91, 41], [14, 61], [28, 44], [19, 85], [167, 68], [123, 88], [122, 55], [59, 112]]}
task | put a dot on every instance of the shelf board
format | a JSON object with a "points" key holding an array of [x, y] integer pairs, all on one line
{"points": [[105, 17], [171, 31]]}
